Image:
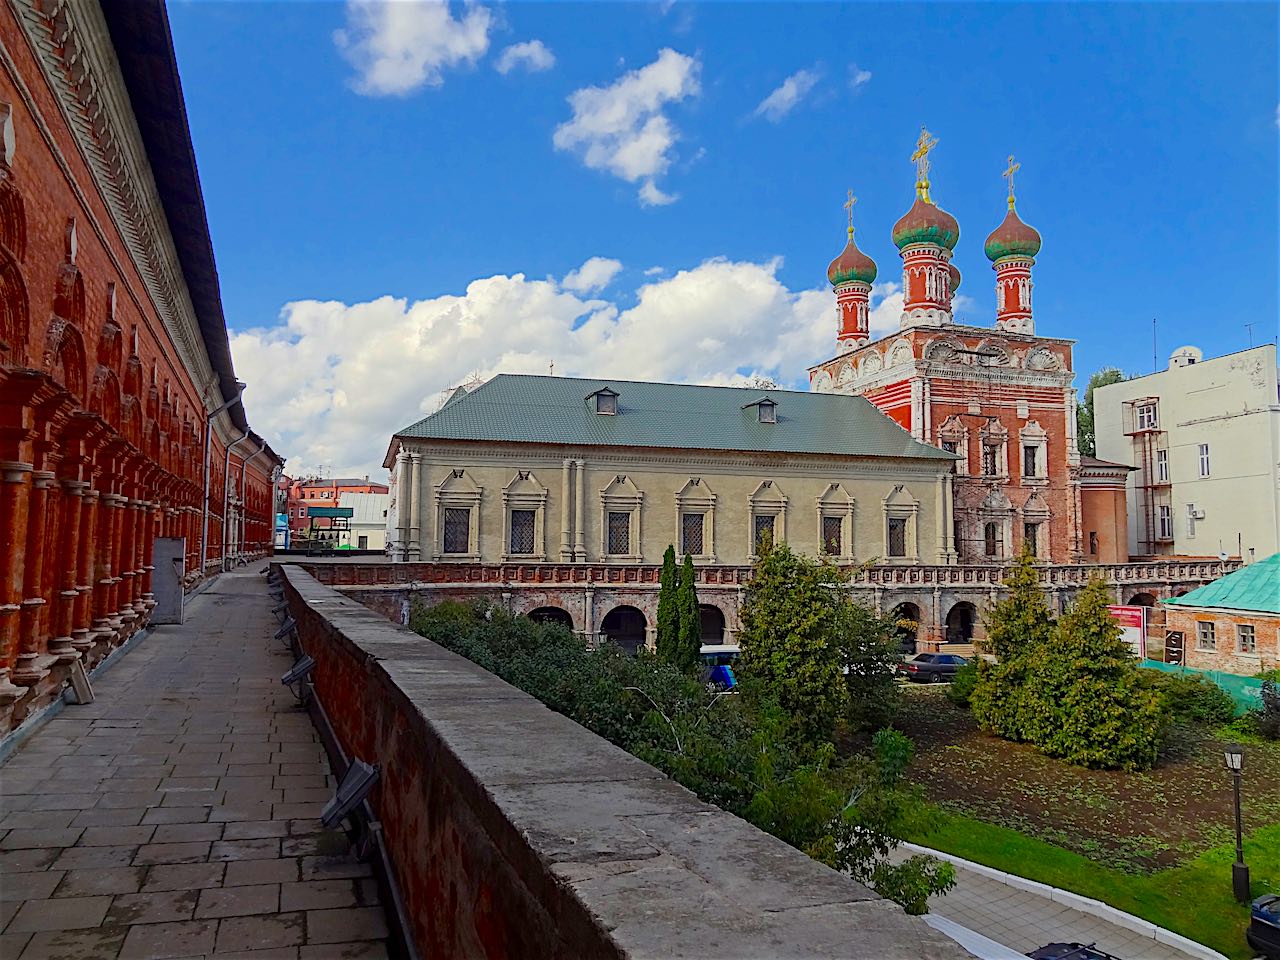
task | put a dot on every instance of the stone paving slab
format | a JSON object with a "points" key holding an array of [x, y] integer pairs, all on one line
{"points": [[177, 815]]}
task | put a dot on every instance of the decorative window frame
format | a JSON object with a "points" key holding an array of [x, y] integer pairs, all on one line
{"points": [[621, 496], [1033, 435], [953, 430], [1036, 511], [458, 490], [525, 492], [900, 504], [696, 497], [995, 434], [768, 500], [836, 502], [997, 509]]}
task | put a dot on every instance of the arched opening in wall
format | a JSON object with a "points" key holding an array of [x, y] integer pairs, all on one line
{"points": [[1181, 593], [906, 626], [13, 221], [65, 358], [961, 621], [1141, 600], [712, 623], [625, 626], [552, 615], [14, 322], [104, 399]]}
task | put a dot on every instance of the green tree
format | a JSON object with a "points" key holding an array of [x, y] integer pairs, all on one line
{"points": [[1086, 438], [689, 647], [791, 618], [1091, 708], [867, 647], [668, 638], [1017, 627]]}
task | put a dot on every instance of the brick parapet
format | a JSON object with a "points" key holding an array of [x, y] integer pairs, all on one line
{"points": [[515, 832]]}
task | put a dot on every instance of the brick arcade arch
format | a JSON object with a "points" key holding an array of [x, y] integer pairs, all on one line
{"points": [[713, 623], [961, 621], [552, 615]]}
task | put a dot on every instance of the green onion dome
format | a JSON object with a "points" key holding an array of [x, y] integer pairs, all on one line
{"points": [[926, 223], [955, 277], [1012, 238], [851, 265]]}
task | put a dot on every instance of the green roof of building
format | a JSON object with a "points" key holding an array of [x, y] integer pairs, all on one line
{"points": [[517, 408], [1255, 587]]}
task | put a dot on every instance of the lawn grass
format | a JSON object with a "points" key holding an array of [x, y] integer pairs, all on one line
{"points": [[1193, 899]]}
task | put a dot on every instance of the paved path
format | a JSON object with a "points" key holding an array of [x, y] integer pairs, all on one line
{"points": [[177, 815], [1025, 921]]}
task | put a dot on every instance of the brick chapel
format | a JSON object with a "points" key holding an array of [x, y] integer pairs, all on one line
{"points": [[999, 397]]}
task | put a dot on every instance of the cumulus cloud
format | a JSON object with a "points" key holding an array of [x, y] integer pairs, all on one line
{"points": [[399, 46], [596, 274], [532, 55], [332, 381], [858, 76], [622, 129], [789, 93]]}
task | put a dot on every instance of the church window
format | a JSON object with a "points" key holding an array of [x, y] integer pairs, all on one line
{"points": [[989, 451], [991, 539], [457, 530], [522, 525], [1031, 538], [897, 536], [691, 533], [619, 539], [1029, 460], [763, 526], [833, 536]]}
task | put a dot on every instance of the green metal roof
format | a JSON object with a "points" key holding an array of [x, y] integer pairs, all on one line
{"points": [[1255, 587], [518, 408]]}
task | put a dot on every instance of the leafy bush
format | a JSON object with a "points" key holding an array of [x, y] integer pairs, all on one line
{"points": [[741, 753], [960, 690], [1191, 698], [1268, 719]]}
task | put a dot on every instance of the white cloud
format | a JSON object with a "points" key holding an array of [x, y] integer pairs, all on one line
{"points": [[596, 274], [358, 372], [533, 55], [621, 129], [399, 46], [654, 271], [858, 76], [789, 93]]}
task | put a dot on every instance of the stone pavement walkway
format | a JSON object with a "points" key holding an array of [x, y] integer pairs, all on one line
{"points": [[1026, 921], [177, 816]]}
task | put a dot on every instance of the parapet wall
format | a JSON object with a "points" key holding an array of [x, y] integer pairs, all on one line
{"points": [[514, 832]]}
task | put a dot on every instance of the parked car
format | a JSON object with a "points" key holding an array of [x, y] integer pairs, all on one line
{"points": [[1263, 933], [931, 667], [1071, 951]]}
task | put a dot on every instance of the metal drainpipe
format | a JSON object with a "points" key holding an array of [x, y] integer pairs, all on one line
{"points": [[208, 452], [226, 496], [244, 464]]}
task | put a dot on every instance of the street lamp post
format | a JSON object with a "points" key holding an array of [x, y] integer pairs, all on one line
{"points": [[1239, 870]]}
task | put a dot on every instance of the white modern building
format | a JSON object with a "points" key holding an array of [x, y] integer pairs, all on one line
{"points": [[368, 520], [1204, 439]]}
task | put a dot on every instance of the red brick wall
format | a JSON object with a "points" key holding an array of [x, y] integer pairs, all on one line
{"points": [[1226, 656]]}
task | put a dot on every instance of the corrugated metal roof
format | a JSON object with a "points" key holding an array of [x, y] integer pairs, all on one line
{"points": [[1255, 587], [370, 508], [518, 408]]}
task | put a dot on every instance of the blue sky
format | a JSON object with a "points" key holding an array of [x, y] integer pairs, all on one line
{"points": [[392, 213]]}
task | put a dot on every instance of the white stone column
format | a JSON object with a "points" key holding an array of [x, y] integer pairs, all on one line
{"points": [[580, 514], [415, 508], [404, 504], [566, 505]]}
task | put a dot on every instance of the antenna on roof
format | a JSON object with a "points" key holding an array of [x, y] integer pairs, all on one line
{"points": [[553, 368], [1155, 363], [1249, 327]]}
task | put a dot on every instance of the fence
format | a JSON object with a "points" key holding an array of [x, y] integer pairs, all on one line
{"points": [[1245, 691]]}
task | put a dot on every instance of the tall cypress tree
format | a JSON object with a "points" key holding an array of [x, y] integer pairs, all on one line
{"points": [[690, 645], [668, 608]]}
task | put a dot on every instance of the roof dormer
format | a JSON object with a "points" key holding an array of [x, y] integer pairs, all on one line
{"points": [[605, 400], [766, 409]]}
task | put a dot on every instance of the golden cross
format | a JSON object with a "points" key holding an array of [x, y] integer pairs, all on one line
{"points": [[1008, 175], [921, 160], [848, 205]]}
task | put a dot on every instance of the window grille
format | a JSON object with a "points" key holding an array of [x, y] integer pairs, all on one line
{"points": [[1205, 639], [763, 525], [619, 533], [991, 539], [989, 459], [457, 530], [691, 528], [522, 522], [1246, 639], [832, 536], [897, 537], [1029, 461]]}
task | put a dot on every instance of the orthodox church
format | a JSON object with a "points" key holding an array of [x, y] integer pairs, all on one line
{"points": [[998, 397]]}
